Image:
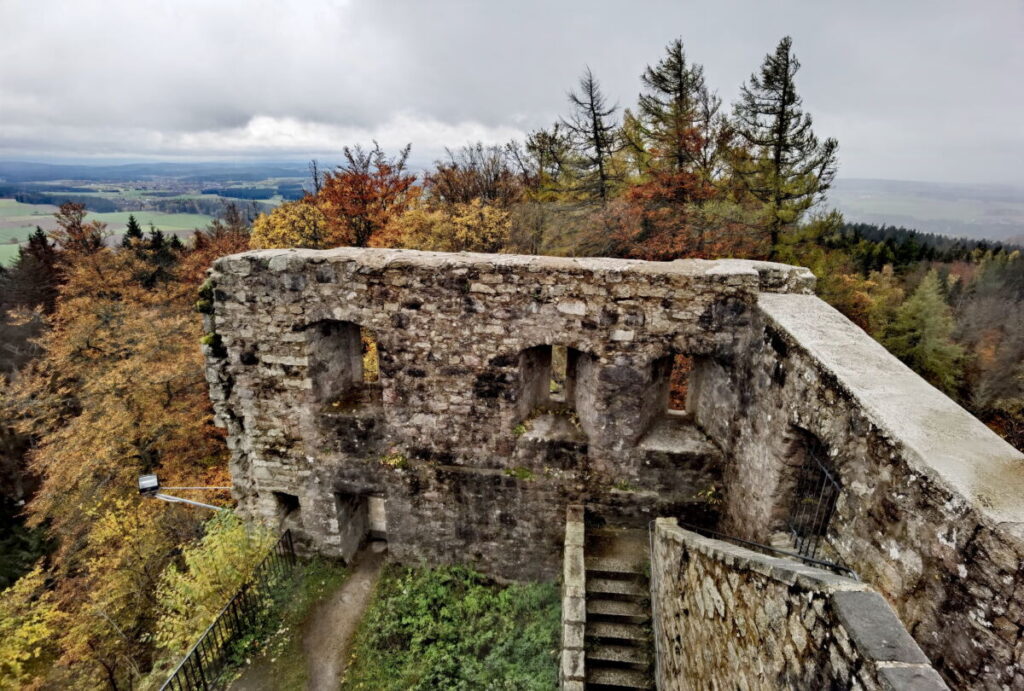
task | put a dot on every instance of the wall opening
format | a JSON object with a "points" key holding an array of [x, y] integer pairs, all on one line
{"points": [[679, 382], [558, 371], [289, 510], [548, 392], [548, 379], [810, 489], [378, 517], [344, 364], [371, 356], [352, 512]]}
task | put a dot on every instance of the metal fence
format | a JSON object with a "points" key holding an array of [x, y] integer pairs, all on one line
{"points": [[813, 504], [207, 659], [773, 551]]}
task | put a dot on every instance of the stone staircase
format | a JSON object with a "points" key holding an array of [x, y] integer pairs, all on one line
{"points": [[617, 635]]}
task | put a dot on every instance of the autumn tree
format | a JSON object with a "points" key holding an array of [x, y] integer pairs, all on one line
{"points": [[593, 133], [677, 117], [475, 172], [76, 235], [543, 161], [119, 390], [30, 621], [293, 224], [365, 193], [213, 569], [780, 160], [459, 227]]}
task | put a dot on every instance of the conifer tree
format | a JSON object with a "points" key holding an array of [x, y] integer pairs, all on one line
{"points": [[593, 132], [784, 166], [133, 233], [675, 110], [921, 334]]}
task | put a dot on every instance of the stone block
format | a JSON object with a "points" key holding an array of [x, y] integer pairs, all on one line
{"points": [[573, 664], [874, 628], [910, 678]]}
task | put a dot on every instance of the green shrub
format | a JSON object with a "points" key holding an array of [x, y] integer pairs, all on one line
{"points": [[451, 628]]}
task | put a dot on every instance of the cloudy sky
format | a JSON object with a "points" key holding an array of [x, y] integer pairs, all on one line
{"points": [[921, 90]]}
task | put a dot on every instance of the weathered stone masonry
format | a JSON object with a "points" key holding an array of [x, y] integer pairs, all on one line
{"points": [[770, 623], [441, 438], [460, 454]]}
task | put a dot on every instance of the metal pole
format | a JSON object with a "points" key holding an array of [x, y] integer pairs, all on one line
{"points": [[179, 500]]}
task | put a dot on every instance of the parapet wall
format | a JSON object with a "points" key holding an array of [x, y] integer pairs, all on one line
{"points": [[726, 617], [932, 504]]}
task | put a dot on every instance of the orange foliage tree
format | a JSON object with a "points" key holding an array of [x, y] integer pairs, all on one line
{"points": [[365, 193]]}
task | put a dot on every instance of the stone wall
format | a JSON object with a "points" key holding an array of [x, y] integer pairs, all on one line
{"points": [[467, 456], [932, 505], [726, 617], [473, 459]]}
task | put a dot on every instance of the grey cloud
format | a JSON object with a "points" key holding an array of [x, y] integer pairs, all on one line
{"points": [[917, 89]]}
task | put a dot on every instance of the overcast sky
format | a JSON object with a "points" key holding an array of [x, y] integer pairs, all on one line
{"points": [[928, 90]]}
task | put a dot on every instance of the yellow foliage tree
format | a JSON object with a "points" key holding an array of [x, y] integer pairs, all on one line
{"points": [[215, 568], [462, 227], [293, 224], [29, 621]]}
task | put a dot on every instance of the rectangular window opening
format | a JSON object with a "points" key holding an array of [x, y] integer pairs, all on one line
{"points": [[371, 356], [559, 366], [679, 382]]}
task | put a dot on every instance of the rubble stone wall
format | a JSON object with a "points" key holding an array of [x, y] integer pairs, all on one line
{"points": [[473, 461], [932, 504], [729, 618]]}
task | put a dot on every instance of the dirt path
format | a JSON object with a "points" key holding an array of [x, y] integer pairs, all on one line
{"points": [[327, 635], [327, 632]]}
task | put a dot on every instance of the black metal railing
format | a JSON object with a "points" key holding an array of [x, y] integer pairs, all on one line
{"points": [[769, 550], [814, 503], [207, 659]]}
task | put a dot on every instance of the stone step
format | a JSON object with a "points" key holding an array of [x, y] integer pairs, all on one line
{"points": [[612, 677], [624, 654], [617, 568], [622, 609], [616, 631], [615, 586]]}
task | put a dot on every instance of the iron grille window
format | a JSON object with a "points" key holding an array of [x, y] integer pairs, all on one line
{"points": [[814, 503]]}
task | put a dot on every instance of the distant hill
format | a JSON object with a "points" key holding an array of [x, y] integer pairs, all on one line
{"points": [[989, 212], [20, 171]]}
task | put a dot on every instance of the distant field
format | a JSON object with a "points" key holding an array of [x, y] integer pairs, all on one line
{"points": [[18, 221]]}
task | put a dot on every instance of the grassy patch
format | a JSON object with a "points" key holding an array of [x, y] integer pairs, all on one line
{"points": [[451, 628]]}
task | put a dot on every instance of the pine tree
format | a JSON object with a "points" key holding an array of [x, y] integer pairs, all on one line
{"points": [[785, 166], [676, 111], [133, 233], [920, 335], [593, 132]]}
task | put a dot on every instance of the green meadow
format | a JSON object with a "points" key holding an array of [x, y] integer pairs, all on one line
{"points": [[18, 221]]}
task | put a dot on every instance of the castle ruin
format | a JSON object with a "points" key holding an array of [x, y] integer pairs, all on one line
{"points": [[510, 388]]}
